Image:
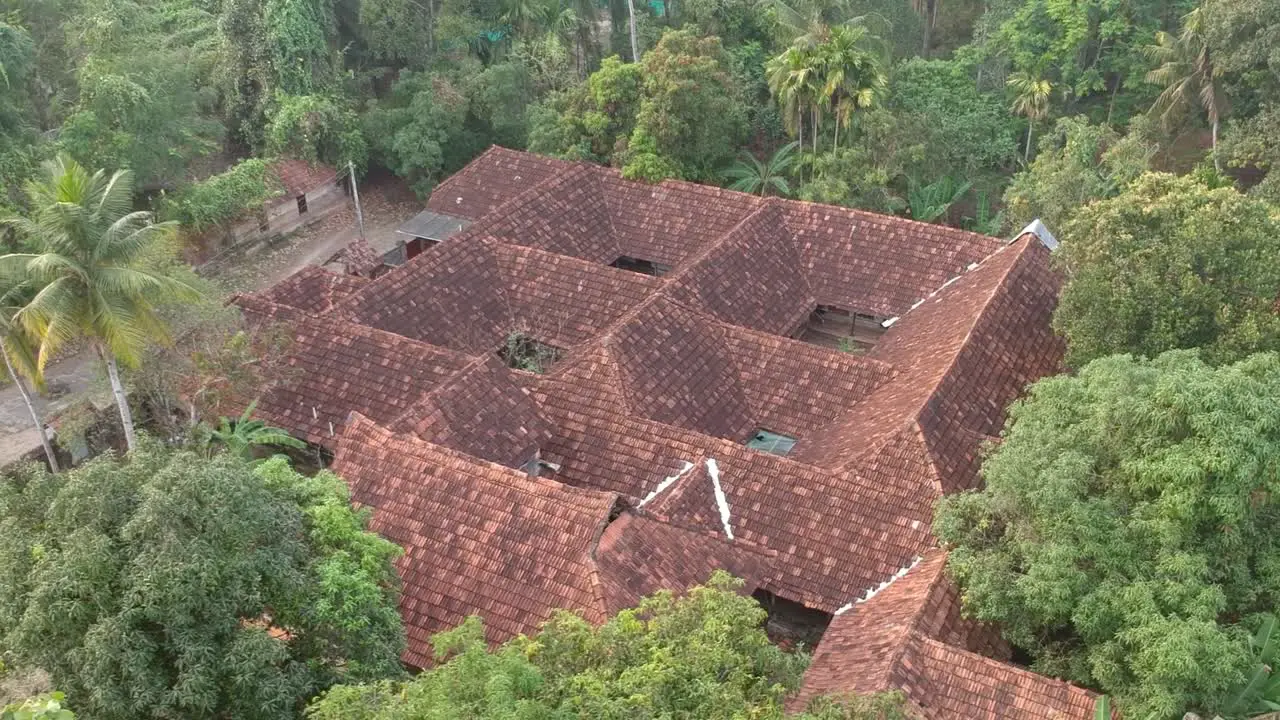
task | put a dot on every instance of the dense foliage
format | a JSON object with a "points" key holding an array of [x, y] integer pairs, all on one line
{"points": [[1144, 133], [174, 585], [704, 655], [1126, 532], [1170, 263]]}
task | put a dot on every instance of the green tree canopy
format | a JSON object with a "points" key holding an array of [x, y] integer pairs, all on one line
{"points": [[173, 585], [704, 655], [588, 121], [1170, 263], [690, 121], [1126, 534], [1077, 163]]}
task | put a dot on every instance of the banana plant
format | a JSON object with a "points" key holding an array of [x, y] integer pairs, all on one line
{"points": [[1261, 692], [242, 435]]}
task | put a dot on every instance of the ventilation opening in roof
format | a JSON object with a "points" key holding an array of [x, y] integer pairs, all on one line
{"points": [[789, 624], [839, 329], [771, 442], [644, 267], [522, 352]]}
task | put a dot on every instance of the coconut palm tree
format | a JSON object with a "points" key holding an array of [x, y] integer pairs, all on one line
{"points": [[793, 78], [91, 272], [1187, 72], [852, 73], [751, 175], [19, 351], [1031, 100]]}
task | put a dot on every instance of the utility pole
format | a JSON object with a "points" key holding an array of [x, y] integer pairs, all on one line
{"points": [[355, 193]]}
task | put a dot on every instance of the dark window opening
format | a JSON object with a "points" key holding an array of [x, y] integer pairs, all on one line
{"points": [[839, 329], [644, 267], [417, 246], [771, 442], [302, 204], [522, 352], [790, 625]]}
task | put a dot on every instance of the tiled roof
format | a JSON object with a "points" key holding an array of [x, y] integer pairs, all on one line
{"points": [[910, 636], [478, 537], [338, 368], [660, 382], [877, 264], [946, 683], [300, 176], [483, 538], [749, 277], [470, 293], [566, 214], [312, 290], [961, 355], [482, 412], [490, 180], [638, 556]]}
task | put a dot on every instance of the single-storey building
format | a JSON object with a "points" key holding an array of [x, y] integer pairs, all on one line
{"points": [[310, 191]]}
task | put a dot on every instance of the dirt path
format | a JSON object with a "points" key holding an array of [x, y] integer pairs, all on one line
{"points": [[386, 202]]}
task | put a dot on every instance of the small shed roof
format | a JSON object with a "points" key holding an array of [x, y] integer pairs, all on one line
{"points": [[432, 225], [300, 177]]}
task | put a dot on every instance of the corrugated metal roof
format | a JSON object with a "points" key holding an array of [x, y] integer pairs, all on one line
{"points": [[433, 225]]}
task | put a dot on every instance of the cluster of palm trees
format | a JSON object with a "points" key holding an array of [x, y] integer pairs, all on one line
{"points": [[828, 74], [92, 276], [1185, 70], [571, 21]]}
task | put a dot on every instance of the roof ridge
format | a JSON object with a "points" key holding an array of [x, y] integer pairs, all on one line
{"points": [[968, 269], [714, 244], [807, 204], [493, 472]]}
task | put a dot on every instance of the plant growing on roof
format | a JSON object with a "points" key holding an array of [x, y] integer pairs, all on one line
{"points": [[97, 272]]}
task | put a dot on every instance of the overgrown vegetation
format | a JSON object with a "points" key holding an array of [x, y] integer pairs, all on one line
{"points": [[1144, 134], [173, 584], [703, 655]]}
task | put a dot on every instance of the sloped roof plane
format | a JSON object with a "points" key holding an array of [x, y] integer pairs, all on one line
{"points": [[660, 383]]}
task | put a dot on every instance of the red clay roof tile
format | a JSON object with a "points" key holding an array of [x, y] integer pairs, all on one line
{"points": [[662, 381]]}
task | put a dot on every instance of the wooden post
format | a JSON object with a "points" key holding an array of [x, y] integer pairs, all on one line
{"points": [[355, 193]]}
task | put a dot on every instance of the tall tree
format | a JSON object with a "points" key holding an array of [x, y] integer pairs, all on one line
{"points": [[174, 585], [852, 74], [794, 80], [928, 12], [1030, 100], [1125, 535], [1170, 263], [691, 121], [1186, 72], [94, 270]]}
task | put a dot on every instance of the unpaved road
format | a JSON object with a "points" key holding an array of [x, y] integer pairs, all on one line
{"points": [[387, 204]]}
